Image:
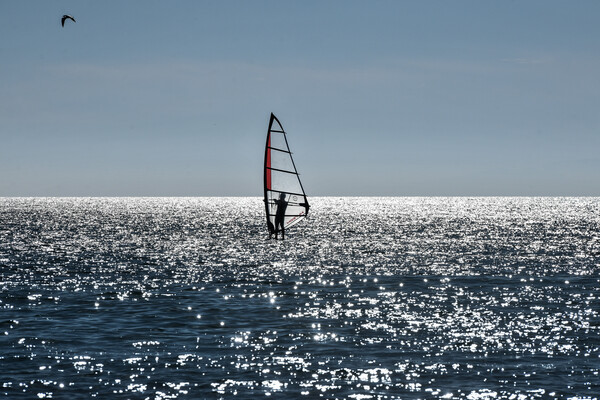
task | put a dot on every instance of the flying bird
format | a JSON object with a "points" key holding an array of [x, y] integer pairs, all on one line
{"points": [[64, 18]]}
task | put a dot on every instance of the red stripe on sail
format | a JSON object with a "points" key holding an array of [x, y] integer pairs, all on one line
{"points": [[267, 170]]}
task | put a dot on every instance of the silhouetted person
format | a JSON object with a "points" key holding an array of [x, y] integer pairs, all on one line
{"points": [[280, 215]]}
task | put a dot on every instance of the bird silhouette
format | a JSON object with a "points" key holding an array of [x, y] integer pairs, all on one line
{"points": [[64, 18]]}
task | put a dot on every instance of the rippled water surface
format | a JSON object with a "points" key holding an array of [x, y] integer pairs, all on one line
{"points": [[370, 298]]}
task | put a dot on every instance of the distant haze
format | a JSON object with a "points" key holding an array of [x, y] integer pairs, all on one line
{"points": [[157, 98]]}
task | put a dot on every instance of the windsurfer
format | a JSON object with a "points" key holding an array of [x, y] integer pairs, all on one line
{"points": [[280, 216]]}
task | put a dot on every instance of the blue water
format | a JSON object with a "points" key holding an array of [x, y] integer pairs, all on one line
{"points": [[369, 298]]}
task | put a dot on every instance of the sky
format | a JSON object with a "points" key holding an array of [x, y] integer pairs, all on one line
{"points": [[379, 98]]}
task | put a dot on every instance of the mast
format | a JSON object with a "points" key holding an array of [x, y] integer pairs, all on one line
{"points": [[267, 174]]}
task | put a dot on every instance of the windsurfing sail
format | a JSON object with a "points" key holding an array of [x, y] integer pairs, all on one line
{"points": [[285, 200]]}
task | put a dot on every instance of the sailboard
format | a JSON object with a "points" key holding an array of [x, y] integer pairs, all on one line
{"points": [[285, 200]]}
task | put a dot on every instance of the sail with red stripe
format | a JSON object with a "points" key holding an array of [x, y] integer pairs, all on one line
{"points": [[283, 189]]}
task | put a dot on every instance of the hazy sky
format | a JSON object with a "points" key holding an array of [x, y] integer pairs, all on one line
{"points": [[172, 98]]}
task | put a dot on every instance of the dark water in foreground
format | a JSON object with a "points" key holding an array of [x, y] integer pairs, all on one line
{"points": [[371, 298]]}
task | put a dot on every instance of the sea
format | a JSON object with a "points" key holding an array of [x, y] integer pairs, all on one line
{"points": [[368, 298]]}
